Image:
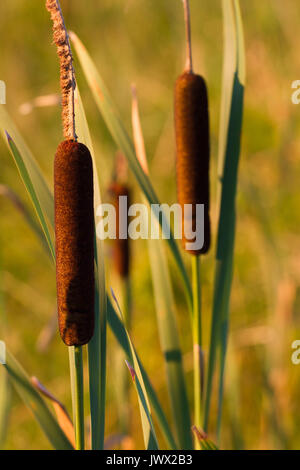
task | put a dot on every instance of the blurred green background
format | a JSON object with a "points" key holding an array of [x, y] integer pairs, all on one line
{"points": [[142, 41]]}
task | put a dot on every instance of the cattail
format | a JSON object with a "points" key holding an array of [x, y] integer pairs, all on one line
{"points": [[74, 208], [121, 247], [74, 232], [192, 143]]}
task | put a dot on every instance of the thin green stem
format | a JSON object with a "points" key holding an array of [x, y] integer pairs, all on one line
{"points": [[126, 288], [123, 382], [72, 378], [79, 401], [197, 340]]}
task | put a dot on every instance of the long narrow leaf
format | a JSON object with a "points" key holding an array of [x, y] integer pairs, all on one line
{"points": [[36, 404], [165, 311], [119, 331], [145, 412], [41, 188], [230, 134], [16, 201], [62, 415], [27, 180]]}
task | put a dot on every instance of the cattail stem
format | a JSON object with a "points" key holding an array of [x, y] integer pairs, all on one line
{"points": [[79, 401], [187, 18], [197, 341]]}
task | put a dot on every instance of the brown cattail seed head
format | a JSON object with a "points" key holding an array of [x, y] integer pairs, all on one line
{"points": [[192, 142], [74, 232], [121, 248]]}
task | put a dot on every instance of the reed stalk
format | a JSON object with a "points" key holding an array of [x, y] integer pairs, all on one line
{"points": [[79, 399], [197, 342]]}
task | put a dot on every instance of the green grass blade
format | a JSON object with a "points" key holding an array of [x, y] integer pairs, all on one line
{"points": [[165, 309], [169, 340], [230, 134], [137, 377], [36, 404], [123, 141], [119, 331], [97, 345], [42, 190], [146, 418], [9, 194], [208, 445], [30, 186]]}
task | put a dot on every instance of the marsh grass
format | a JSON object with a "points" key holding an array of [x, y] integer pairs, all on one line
{"points": [[42, 199]]}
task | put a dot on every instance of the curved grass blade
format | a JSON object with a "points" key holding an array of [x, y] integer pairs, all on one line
{"points": [[169, 340], [123, 141], [27, 180], [36, 404], [42, 190], [119, 331], [97, 345], [229, 152], [62, 415], [165, 311], [147, 423], [9, 194], [145, 412]]}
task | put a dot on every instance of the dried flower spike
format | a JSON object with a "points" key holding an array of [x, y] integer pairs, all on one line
{"points": [[74, 233], [192, 143]]}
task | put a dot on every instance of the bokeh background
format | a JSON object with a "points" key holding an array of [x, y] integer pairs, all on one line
{"points": [[142, 41]]}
